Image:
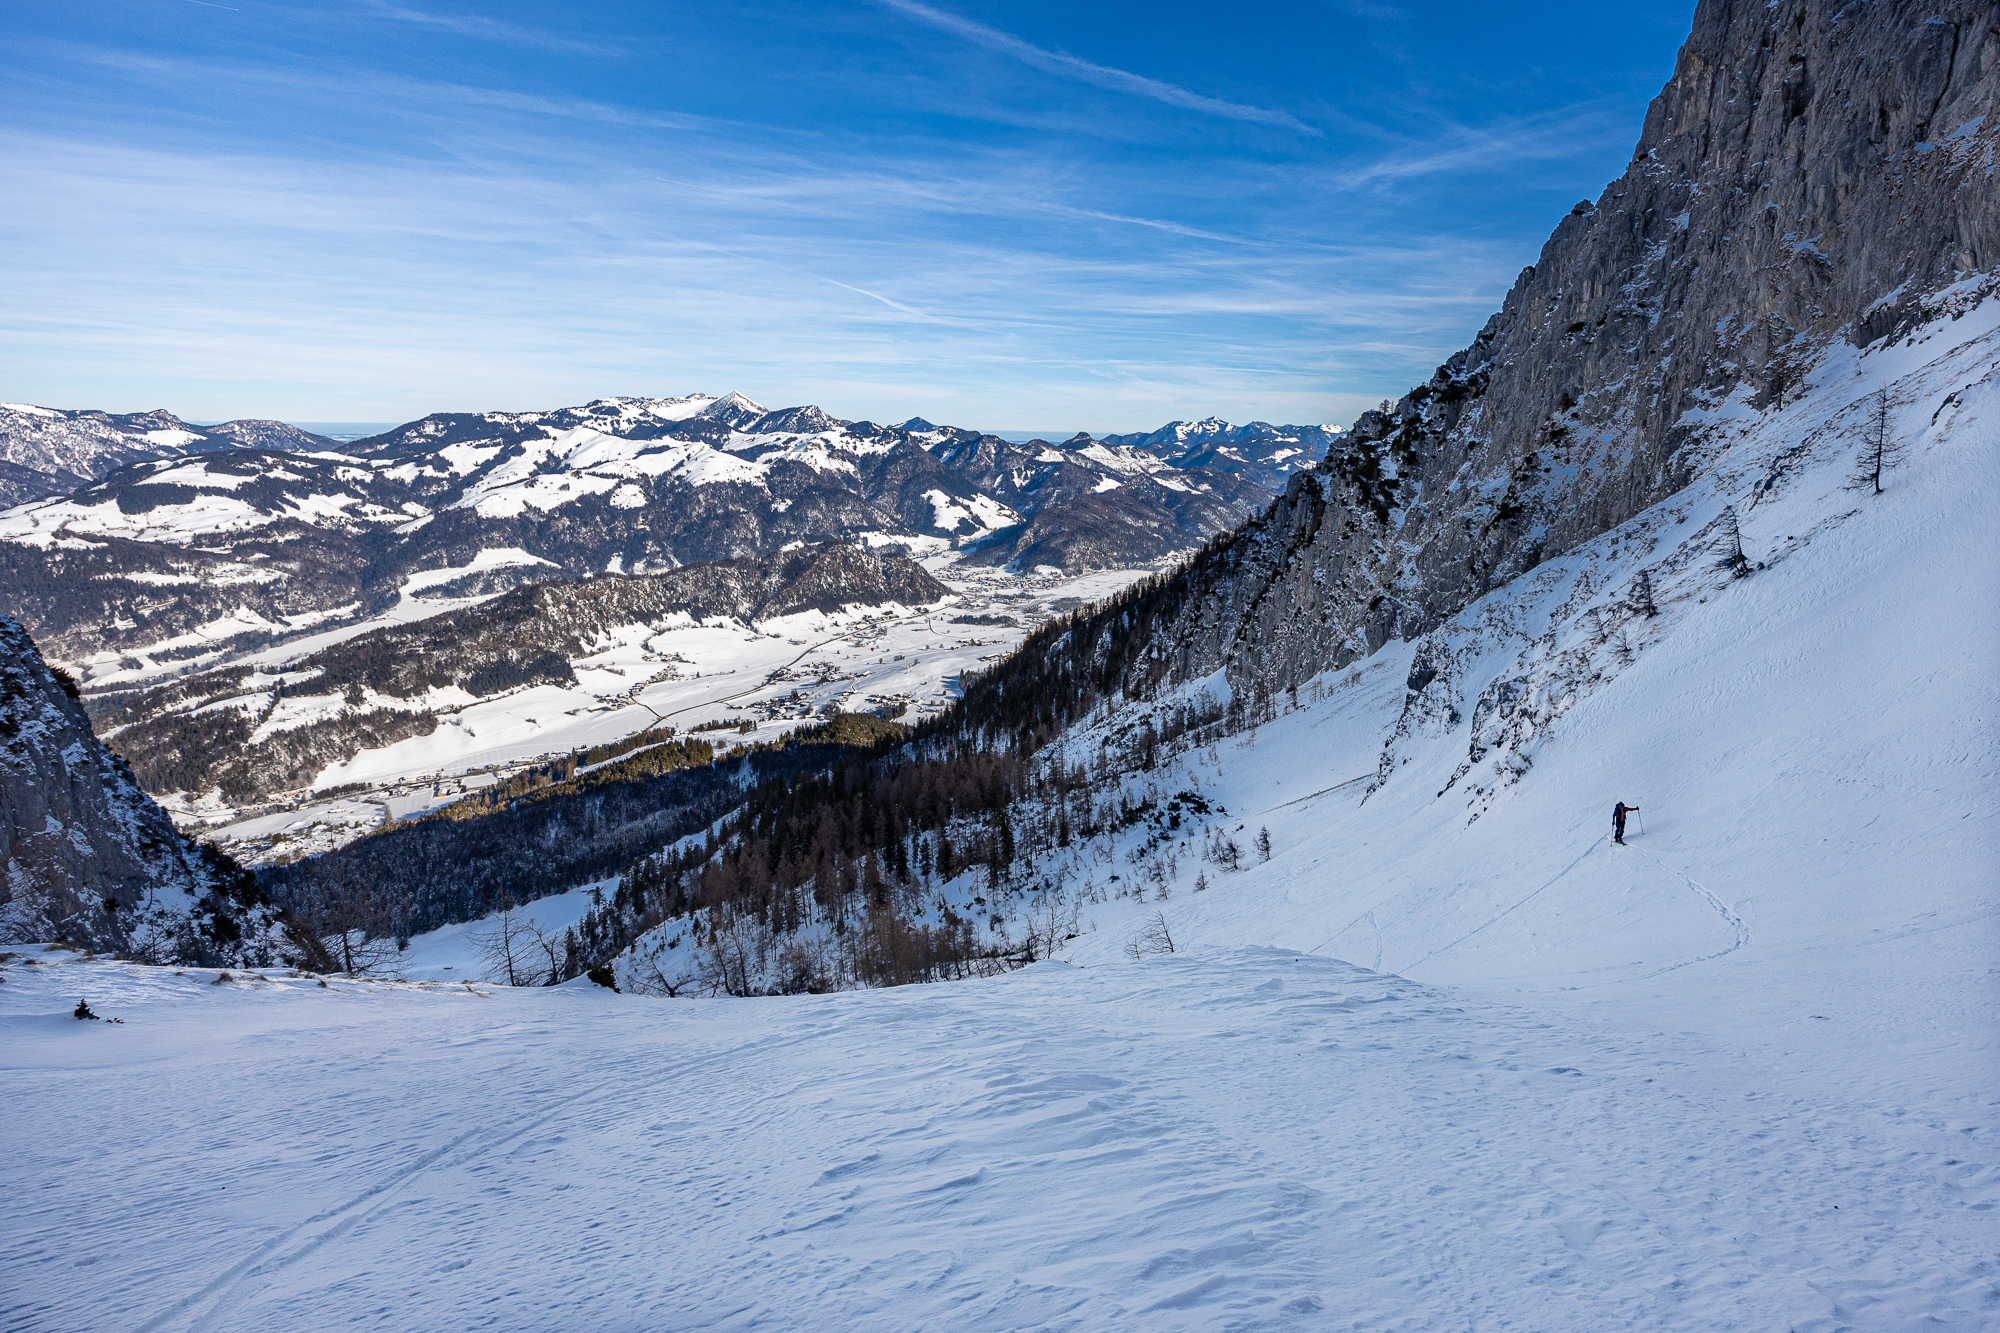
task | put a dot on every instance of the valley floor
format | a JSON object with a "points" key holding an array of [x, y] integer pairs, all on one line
{"points": [[1231, 1138], [777, 675]]}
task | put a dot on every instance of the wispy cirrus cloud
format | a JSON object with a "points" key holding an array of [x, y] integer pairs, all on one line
{"points": [[1496, 146], [489, 29], [1087, 71], [480, 214], [279, 285]]}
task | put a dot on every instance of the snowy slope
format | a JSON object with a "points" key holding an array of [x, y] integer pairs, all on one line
{"points": [[454, 953], [1420, 1070], [1813, 748], [1447, 1060], [1797, 738]]}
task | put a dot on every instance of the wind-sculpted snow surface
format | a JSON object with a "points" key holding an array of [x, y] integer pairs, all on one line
{"points": [[1245, 1139]]}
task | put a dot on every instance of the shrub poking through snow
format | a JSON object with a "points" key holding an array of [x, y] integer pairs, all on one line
{"points": [[1153, 938]]}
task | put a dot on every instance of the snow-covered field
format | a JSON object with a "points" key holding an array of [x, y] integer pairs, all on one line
{"points": [[1227, 1138], [455, 952]]}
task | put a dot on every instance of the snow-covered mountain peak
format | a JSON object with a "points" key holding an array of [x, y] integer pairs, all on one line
{"points": [[1257, 451], [733, 409]]}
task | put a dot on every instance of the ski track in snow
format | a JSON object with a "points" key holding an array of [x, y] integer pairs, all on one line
{"points": [[1723, 909], [1559, 876]]}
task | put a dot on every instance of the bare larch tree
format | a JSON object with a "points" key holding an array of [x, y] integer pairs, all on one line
{"points": [[1880, 451]]}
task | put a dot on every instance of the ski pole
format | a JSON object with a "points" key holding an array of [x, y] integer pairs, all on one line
{"points": [[1642, 824]]}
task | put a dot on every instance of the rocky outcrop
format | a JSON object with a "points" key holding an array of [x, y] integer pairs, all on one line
{"points": [[92, 861], [1809, 173]]}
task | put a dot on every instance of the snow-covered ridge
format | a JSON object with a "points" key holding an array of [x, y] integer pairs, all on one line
{"points": [[501, 465], [48, 451], [622, 486]]}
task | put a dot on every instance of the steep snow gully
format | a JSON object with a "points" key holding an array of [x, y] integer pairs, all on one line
{"points": [[1448, 1060]]}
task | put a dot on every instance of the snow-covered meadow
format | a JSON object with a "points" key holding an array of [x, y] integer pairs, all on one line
{"points": [[1224, 1138]]}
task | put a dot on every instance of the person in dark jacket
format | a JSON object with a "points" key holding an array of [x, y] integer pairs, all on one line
{"points": [[1618, 813]]}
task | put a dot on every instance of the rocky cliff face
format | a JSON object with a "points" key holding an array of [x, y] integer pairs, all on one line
{"points": [[91, 860], [1809, 174]]}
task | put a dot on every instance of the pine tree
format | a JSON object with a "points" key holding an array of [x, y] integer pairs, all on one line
{"points": [[1780, 377], [1731, 541], [1642, 595], [1880, 450], [1264, 844]]}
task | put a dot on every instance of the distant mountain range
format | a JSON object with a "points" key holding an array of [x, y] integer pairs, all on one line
{"points": [[183, 541], [47, 451], [51, 451], [1258, 451]]}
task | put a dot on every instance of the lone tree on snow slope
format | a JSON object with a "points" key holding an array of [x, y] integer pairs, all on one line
{"points": [[1730, 539], [1642, 593], [1880, 450]]}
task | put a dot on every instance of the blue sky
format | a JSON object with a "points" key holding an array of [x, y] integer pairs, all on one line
{"points": [[1000, 215]]}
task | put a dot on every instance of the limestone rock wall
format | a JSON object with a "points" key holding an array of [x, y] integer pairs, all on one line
{"points": [[1809, 173]]}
